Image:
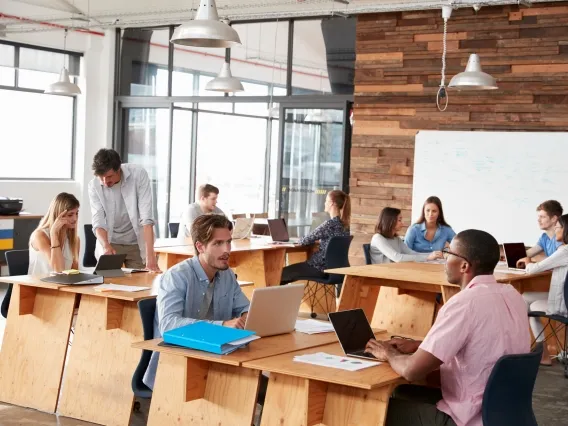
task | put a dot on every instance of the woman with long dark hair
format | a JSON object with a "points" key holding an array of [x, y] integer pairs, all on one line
{"points": [[553, 301], [431, 232], [388, 247]]}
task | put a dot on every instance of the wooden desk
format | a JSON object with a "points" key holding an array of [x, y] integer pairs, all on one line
{"points": [[209, 389], [35, 343], [252, 259], [97, 381], [406, 303], [304, 394], [101, 362]]}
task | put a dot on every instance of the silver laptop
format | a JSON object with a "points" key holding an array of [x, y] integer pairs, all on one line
{"points": [[242, 228], [274, 310]]}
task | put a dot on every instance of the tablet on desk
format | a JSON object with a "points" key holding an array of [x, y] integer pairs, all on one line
{"points": [[110, 265]]}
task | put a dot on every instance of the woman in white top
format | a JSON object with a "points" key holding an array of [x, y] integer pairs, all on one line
{"points": [[54, 245], [387, 246], [553, 301]]}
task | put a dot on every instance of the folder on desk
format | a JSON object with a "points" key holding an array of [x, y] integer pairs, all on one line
{"points": [[208, 337]]}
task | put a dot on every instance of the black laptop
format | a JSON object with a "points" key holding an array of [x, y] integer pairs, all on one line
{"points": [[279, 231], [353, 331], [513, 253], [110, 265]]}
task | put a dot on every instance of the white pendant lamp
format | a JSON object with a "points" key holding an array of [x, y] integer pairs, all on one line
{"points": [[473, 78], [225, 82], [63, 86], [206, 30]]}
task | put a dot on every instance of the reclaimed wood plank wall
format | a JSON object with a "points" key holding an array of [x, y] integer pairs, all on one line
{"points": [[398, 71]]}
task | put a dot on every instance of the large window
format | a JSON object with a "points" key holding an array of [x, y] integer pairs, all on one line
{"points": [[230, 155], [37, 129]]}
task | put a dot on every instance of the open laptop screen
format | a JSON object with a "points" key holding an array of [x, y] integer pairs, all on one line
{"points": [[513, 253], [352, 329], [278, 230]]}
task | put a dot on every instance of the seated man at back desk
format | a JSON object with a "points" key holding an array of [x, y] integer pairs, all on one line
{"points": [[548, 214], [476, 327], [202, 288], [206, 204]]}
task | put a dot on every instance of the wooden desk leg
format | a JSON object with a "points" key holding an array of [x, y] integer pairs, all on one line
{"points": [[34, 349], [297, 401], [97, 382], [359, 292], [262, 267], [229, 397], [404, 314]]}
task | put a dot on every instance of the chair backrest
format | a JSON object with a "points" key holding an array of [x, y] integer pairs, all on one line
{"points": [[18, 262], [263, 215], [239, 215], [507, 399], [337, 256], [367, 252], [174, 229], [147, 309], [89, 259]]}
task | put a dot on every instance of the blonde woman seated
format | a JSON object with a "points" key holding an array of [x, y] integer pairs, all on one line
{"points": [[54, 245], [553, 301], [388, 247]]}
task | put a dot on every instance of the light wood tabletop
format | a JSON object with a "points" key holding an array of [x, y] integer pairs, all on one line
{"points": [[368, 378], [261, 348]]}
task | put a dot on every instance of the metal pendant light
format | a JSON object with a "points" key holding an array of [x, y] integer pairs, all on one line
{"points": [[63, 86], [473, 78], [225, 82], [206, 30]]}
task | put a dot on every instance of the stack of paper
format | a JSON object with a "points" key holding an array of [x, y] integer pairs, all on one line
{"points": [[119, 287], [313, 327], [333, 361]]}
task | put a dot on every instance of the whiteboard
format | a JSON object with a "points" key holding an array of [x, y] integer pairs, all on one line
{"points": [[491, 180]]}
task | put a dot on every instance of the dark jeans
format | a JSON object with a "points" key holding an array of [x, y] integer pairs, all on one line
{"points": [[299, 271], [412, 405]]}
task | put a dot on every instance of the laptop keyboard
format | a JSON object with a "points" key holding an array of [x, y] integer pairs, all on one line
{"points": [[363, 353]]}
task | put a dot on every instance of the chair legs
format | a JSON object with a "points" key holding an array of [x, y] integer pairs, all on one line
{"points": [[563, 356], [311, 295]]}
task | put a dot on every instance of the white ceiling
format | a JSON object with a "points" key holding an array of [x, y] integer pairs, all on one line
{"points": [[123, 13]]}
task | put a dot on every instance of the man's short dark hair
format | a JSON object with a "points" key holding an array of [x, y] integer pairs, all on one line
{"points": [[105, 160], [551, 207], [205, 190], [481, 250]]}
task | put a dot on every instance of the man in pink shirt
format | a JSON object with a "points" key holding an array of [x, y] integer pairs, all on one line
{"points": [[483, 322]]}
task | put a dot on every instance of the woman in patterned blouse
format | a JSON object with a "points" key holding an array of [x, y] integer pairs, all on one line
{"points": [[338, 205]]}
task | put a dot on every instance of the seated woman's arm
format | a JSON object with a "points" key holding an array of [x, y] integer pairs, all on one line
{"points": [[52, 250], [558, 259], [316, 235], [387, 247], [410, 238]]}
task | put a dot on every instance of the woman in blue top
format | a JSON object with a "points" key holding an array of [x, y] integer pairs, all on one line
{"points": [[431, 232]]}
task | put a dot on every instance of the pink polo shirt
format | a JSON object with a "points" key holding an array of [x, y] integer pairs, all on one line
{"points": [[473, 330]]}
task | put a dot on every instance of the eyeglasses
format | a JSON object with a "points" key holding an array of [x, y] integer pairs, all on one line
{"points": [[446, 252]]}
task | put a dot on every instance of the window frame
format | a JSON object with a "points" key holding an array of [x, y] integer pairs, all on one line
{"points": [[15, 87]]}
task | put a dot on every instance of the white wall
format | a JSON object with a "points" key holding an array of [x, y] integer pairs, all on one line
{"points": [[94, 118]]}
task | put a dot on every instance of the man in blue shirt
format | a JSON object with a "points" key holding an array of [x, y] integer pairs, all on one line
{"points": [[202, 288], [548, 214]]}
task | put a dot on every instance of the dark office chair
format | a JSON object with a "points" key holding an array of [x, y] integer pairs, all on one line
{"points": [[18, 263], [147, 309], [89, 259], [367, 252], [563, 324], [507, 399], [174, 229], [336, 256]]}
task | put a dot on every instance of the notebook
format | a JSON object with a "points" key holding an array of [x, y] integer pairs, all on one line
{"points": [[208, 337]]}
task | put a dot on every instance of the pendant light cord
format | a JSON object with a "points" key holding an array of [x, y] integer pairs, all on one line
{"points": [[442, 92]]}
